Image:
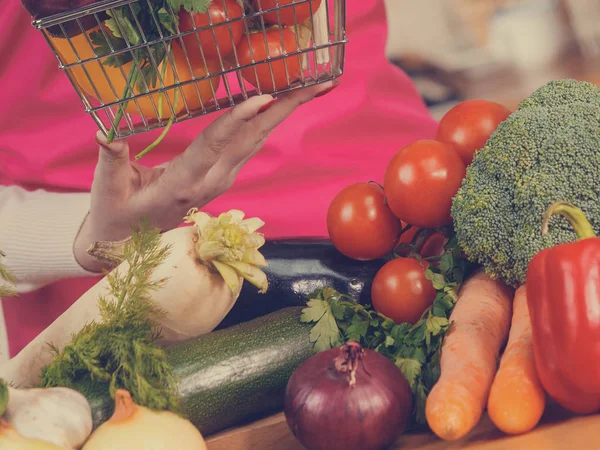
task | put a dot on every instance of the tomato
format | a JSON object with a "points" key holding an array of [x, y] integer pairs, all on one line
{"points": [[109, 80], [286, 13], [400, 290], [204, 93], [360, 224], [469, 125], [256, 48], [421, 180], [227, 35], [433, 244]]}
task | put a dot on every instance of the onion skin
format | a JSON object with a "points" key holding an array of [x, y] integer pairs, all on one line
{"points": [[326, 412], [134, 427], [10, 439]]}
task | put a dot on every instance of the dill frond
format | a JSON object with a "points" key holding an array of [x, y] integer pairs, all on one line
{"points": [[119, 350]]}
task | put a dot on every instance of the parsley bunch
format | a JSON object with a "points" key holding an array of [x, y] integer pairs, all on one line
{"points": [[415, 349]]}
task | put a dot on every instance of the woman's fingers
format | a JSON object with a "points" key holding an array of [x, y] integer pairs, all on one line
{"points": [[263, 124], [114, 168], [209, 146], [286, 104]]}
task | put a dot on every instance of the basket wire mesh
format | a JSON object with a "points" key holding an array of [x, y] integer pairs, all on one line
{"points": [[137, 68]]}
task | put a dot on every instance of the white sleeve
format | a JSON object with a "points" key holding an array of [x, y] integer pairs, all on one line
{"points": [[37, 231]]}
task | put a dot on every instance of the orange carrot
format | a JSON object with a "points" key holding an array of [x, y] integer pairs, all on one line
{"points": [[469, 358], [517, 399]]}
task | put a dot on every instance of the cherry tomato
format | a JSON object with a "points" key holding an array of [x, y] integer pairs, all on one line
{"points": [[262, 78], [360, 224], [432, 245], [421, 180], [400, 290], [286, 13], [469, 125], [227, 35]]}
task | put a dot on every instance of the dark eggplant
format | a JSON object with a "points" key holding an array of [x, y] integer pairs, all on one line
{"points": [[297, 268], [40, 9]]}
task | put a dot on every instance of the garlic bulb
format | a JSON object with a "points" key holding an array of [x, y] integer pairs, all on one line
{"points": [[10, 439], [57, 415], [134, 427]]}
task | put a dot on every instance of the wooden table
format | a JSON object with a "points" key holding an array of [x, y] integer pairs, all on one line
{"points": [[558, 431]]}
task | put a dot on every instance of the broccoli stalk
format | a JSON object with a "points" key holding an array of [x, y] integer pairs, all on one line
{"points": [[547, 150]]}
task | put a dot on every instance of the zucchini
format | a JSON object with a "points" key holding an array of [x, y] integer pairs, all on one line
{"points": [[298, 267], [229, 376]]}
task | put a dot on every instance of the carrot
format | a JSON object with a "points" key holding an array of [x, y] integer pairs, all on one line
{"points": [[517, 399], [480, 324]]}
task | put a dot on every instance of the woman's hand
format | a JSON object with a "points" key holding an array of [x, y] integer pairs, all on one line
{"points": [[123, 193]]}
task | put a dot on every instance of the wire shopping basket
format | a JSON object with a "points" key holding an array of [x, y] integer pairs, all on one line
{"points": [[139, 65]]}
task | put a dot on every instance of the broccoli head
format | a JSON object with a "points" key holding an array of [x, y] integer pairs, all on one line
{"points": [[547, 150]]}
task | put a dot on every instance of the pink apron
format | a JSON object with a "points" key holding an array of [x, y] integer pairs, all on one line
{"points": [[349, 135]]}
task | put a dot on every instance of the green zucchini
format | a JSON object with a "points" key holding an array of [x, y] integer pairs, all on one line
{"points": [[230, 376]]}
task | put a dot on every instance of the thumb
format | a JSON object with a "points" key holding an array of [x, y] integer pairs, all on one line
{"points": [[113, 160]]}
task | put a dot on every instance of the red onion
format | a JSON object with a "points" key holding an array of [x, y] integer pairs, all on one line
{"points": [[347, 398]]}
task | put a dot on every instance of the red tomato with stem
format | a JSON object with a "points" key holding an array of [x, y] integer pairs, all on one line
{"points": [[469, 125], [359, 223], [226, 35], [287, 10], [421, 180], [432, 245], [400, 290], [285, 70]]}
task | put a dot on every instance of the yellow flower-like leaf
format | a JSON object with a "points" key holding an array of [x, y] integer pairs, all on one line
{"points": [[231, 244], [251, 273], [230, 275]]}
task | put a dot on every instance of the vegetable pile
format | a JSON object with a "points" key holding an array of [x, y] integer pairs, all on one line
{"points": [[432, 312], [546, 151], [171, 54]]}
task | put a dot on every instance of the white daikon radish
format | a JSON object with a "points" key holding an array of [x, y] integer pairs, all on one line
{"points": [[59, 416], [202, 278], [7, 289]]}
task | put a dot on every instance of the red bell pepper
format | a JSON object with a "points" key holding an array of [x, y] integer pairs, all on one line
{"points": [[563, 295]]}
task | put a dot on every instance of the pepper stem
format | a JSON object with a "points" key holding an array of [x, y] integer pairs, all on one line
{"points": [[348, 360], [574, 215]]}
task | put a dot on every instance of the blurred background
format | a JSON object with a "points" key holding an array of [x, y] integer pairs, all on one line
{"points": [[499, 50]]}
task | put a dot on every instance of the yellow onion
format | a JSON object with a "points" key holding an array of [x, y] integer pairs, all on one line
{"points": [[10, 439], [134, 427]]}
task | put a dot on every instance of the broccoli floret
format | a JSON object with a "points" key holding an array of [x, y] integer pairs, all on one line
{"points": [[548, 150], [562, 92]]}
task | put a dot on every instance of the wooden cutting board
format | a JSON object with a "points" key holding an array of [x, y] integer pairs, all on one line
{"points": [[557, 431]]}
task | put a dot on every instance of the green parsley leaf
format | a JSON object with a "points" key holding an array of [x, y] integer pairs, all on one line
{"points": [[325, 334], [411, 369], [437, 279], [357, 330], [199, 6], [435, 325], [316, 309]]}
